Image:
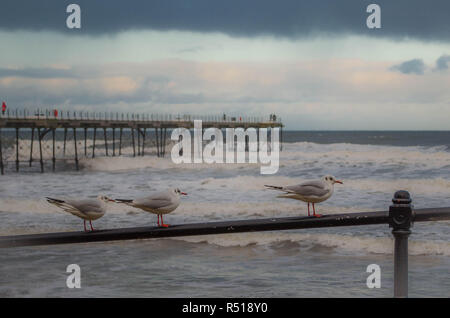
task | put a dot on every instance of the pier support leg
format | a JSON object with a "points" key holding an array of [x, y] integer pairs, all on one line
{"points": [[247, 140], [164, 142], [114, 141], [138, 141], [17, 149], [75, 144], [65, 139], [157, 142], [53, 150], [85, 142], [120, 141], [106, 141], [31, 146], [41, 160], [400, 219], [143, 141], [93, 144], [132, 139], [2, 169], [281, 138]]}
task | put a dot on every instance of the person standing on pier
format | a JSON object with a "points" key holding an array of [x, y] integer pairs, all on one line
{"points": [[3, 108]]}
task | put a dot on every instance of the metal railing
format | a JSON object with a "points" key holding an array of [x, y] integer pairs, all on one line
{"points": [[136, 117], [400, 217]]}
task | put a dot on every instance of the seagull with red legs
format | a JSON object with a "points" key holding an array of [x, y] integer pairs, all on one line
{"points": [[313, 191], [87, 209], [158, 203]]}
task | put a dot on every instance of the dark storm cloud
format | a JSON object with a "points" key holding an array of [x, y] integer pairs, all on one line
{"points": [[287, 18], [416, 66], [442, 63]]}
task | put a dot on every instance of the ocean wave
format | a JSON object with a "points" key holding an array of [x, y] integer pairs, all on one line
{"points": [[253, 183], [350, 243], [365, 155]]}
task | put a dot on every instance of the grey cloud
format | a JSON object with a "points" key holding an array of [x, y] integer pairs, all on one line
{"points": [[416, 66], [441, 63], [285, 18], [37, 73]]}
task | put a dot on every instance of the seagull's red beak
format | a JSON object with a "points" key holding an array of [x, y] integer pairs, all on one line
{"points": [[183, 193], [339, 181]]}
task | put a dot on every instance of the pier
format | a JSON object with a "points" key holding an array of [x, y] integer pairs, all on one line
{"points": [[110, 128]]}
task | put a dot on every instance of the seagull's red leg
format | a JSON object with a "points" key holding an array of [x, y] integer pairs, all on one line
{"points": [[158, 219], [162, 222], [308, 208], [92, 229], [84, 221], [316, 215]]}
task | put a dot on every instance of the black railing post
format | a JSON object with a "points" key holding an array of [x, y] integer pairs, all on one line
{"points": [[401, 218]]}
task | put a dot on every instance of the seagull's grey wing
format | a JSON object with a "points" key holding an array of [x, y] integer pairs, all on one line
{"points": [[308, 188], [155, 201], [86, 205]]}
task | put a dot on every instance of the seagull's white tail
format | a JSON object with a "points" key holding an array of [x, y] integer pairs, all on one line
{"points": [[61, 204]]}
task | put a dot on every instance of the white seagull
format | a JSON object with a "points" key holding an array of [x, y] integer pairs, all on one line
{"points": [[313, 191], [157, 203], [87, 209]]}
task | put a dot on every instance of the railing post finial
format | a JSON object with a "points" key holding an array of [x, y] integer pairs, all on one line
{"points": [[401, 218]]}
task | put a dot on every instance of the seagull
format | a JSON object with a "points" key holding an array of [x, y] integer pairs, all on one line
{"points": [[157, 203], [313, 191], [87, 209]]}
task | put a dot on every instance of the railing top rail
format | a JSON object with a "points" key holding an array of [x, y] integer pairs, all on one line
{"points": [[270, 224]]}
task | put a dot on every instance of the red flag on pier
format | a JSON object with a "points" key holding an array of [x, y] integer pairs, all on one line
{"points": [[3, 107]]}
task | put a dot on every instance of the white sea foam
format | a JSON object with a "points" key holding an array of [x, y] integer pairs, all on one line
{"points": [[351, 243]]}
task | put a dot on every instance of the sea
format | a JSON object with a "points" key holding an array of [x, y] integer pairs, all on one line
{"points": [[325, 262]]}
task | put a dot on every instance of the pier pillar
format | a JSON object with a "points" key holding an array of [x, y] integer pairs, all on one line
{"points": [[114, 141], [139, 141], [401, 217], [85, 142], [157, 142], [93, 144], [247, 139], [164, 144], [17, 148], [143, 141], [2, 171], [120, 141], [106, 141], [132, 139], [281, 138], [41, 159], [75, 144], [257, 140], [31, 145], [53, 150], [65, 138]]}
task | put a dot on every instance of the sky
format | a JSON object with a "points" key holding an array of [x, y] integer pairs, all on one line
{"points": [[313, 63]]}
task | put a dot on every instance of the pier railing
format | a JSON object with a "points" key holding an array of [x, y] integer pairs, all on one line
{"points": [[400, 217], [54, 114]]}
